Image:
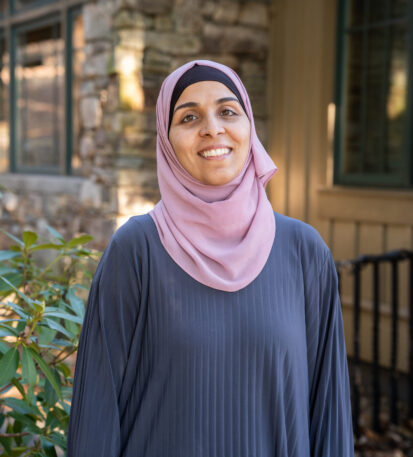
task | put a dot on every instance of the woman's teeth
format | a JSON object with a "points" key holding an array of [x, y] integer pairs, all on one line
{"points": [[215, 152]]}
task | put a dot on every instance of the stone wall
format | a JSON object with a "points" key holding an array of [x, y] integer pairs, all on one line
{"points": [[130, 47]]}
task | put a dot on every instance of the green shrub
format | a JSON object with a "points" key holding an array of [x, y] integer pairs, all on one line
{"points": [[42, 309]]}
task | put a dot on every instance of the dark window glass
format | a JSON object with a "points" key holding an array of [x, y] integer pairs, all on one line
{"points": [[373, 128], [39, 77]]}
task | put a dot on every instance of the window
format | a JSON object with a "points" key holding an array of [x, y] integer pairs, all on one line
{"points": [[373, 131], [40, 66]]}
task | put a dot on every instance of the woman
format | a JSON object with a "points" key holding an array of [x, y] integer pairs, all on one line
{"points": [[213, 326]]}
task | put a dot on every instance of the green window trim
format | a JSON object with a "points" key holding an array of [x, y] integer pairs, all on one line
{"points": [[403, 178]]}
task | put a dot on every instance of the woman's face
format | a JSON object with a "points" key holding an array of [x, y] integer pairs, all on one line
{"points": [[210, 132]]}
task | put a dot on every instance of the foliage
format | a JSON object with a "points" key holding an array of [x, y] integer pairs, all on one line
{"points": [[40, 321]]}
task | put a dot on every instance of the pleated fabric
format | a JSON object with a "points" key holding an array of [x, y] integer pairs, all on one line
{"points": [[169, 367]]}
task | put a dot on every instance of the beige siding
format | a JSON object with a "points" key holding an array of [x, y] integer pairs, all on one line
{"points": [[352, 221]]}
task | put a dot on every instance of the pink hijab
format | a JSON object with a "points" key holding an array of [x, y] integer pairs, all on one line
{"points": [[220, 235]]}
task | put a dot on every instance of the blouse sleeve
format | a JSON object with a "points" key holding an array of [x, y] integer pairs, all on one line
{"points": [[331, 431], [110, 316]]}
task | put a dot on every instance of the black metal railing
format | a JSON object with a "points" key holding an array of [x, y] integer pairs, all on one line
{"points": [[355, 266]]}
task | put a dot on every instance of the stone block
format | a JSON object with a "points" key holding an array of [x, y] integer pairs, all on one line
{"points": [[133, 39], [142, 178], [208, 9], [125, 19], [86, 147], [90, 194], [96, 21], [90, 112], [174, 43], [145, 6], [112, 96], [255, 14], [155, 61], [138, 139], [10, 201], [226, 12], [144, 121], [87, 88], [97, 65], [164, 23], [186, 17], [235, 39]]}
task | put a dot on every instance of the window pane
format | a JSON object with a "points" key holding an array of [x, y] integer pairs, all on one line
{"points": [[78, 58], [4, 107], [375, 91], [39, 92], [379, 10], [356, 12], [399, 8], [396, 99], [352, 134]]}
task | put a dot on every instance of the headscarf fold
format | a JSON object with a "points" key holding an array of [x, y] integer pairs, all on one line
{"points": [[220, 235]]}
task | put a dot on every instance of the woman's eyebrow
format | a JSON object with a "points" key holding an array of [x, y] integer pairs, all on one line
{"points": [[194, 104]]}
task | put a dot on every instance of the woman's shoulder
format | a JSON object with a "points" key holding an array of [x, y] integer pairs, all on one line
{"points": [[134, 233], [303, 238]]}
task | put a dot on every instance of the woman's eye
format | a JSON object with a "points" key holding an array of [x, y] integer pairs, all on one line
{"points": [[228, 112], [188, 117]]}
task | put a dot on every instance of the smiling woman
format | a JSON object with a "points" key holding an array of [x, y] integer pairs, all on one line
{"points": [[210, 132], [213, 326]]}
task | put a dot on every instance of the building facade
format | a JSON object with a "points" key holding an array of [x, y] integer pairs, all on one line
{"points": [[331, 87]]}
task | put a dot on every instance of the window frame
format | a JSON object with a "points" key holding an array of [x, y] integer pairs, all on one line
{"points": [[366, 179], [11, 23]]}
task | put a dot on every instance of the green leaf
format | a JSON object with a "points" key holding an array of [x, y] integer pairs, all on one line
{"points": [[29, 238], [27, 421], [29, 372], [64, 369], [3, 347], [49, 393], [56, 326], [76, 303], [21, 406], [61, 342], [46, 370], [6, 443], [12, 237], [48, 447], [4, 269], [55, 233], [8, 365], [29, 301], [39, 247], [64, 315], [58, 439], [6, 255], [19, 387], [17, 309], [13, 278], [79, 240], [8, 330], [46, 334]]}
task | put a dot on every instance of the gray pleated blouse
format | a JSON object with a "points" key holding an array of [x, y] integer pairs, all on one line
{"points": [[169, 367]]}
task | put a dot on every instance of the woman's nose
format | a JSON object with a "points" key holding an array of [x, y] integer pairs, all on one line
{"points": [[211, 126]]}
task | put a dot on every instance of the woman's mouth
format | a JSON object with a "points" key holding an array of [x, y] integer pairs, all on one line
{"points": [[215, 154]]}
